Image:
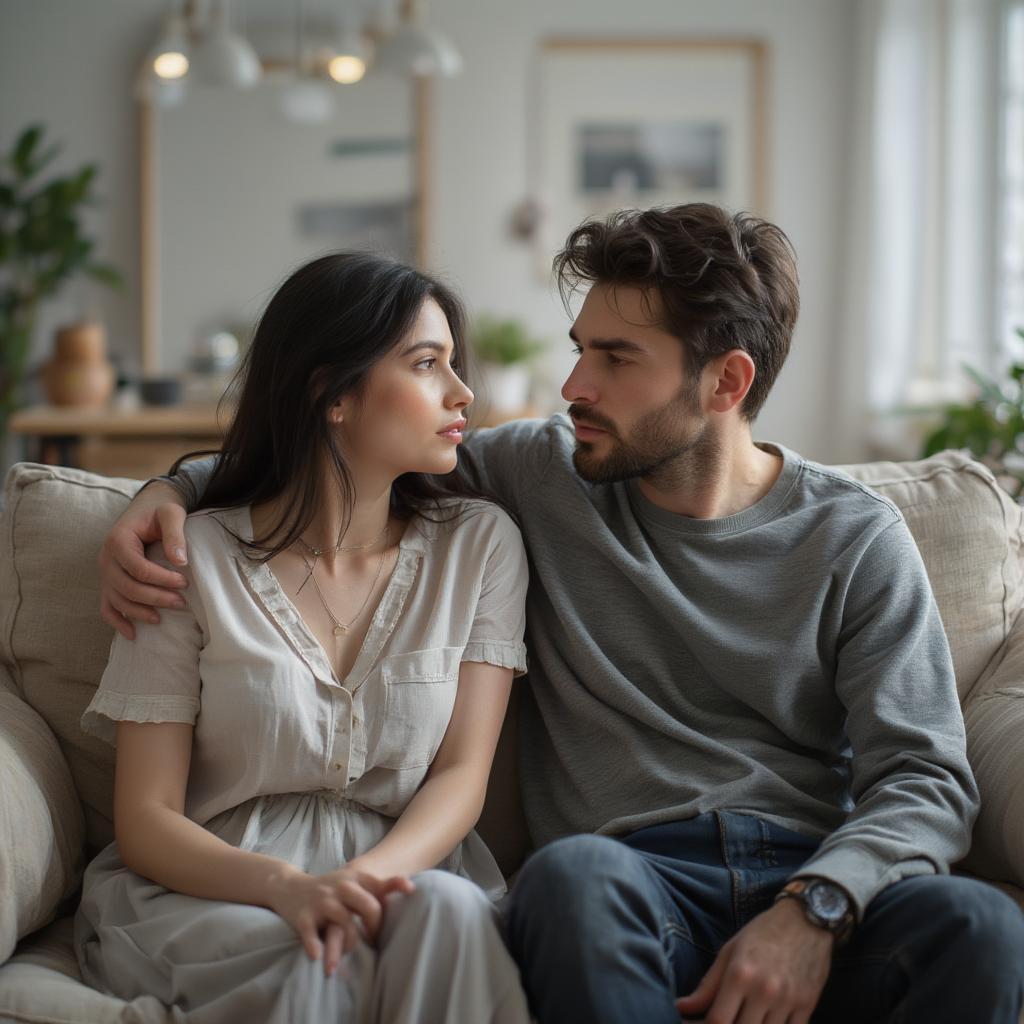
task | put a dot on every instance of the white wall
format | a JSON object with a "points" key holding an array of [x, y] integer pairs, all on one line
{"points": [[71, 65], [481, 120]]}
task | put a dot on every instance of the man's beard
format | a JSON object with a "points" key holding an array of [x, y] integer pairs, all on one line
{"points": [[669, 445]]}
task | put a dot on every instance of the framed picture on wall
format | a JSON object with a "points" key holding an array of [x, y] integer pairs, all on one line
{"points": [[618, 124]]}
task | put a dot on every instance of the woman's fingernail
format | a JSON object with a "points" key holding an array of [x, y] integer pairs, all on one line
{"points": [[179, 555]]}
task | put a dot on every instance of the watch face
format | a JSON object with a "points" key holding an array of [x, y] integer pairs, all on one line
{"points": [[828, 902]]}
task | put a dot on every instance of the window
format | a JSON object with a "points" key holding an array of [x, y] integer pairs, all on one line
{"points": [[1010, 286]]}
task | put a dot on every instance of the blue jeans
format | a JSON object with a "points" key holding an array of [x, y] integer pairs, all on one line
{"points": [[612, 930]]}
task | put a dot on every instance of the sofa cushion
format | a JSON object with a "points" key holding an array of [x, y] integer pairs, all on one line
{"points": [[41, 984], [995, 747], [41, 827], [52, 637], [969, 532]]}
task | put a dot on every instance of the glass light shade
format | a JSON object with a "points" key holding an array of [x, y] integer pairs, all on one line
{"points": [[415, 50], [306, 101], [168, 59], [161, 92], [224, 57]]}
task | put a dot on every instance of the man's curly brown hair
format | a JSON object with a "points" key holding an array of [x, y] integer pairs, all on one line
{"points": [[717, 281]]}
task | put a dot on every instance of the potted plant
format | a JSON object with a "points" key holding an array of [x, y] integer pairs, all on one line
{"points": [[42, 246], [505, 348], [991, 426]]}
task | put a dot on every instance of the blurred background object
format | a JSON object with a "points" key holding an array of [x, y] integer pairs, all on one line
{"points": [[505, 351], [43, 247], [990, 426], [235, 141]]}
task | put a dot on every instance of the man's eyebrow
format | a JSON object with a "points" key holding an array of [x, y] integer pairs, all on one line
{"points": [[610, 344]]}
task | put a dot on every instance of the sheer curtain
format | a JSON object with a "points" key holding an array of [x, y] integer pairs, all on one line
{"points": [[921, 248]]}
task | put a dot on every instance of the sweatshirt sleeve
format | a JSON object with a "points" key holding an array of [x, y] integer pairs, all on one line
{"points": [[506, 462], [914, 795], [191, 479]]}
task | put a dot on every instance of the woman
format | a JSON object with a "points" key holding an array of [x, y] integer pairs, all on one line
{"points": [[307, 739]]}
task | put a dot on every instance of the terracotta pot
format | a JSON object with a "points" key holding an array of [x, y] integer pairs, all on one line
{"points": [[79, 373]]}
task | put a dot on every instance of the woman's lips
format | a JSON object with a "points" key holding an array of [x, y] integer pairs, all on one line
{"points": [[453, 432]]}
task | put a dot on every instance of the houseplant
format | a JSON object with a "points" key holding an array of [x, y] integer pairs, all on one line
{"points": [[991, 426], [505, 348], [42, 246]]}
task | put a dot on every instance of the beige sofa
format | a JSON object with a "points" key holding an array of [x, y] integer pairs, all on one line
{"points": [[56, 783]]}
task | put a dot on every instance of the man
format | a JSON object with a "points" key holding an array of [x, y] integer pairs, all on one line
{"points": [[742, 756]]}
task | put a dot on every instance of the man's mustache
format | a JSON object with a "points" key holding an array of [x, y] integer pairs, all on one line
{"points": [[590, 419]]}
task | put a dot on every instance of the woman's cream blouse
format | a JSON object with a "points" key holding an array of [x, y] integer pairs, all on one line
{"points": [[269, 715]]}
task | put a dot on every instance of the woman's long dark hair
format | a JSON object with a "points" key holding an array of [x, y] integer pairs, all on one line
{"points": [[317, 340]]}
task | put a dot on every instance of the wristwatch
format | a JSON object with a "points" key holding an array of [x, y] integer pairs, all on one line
{"points": [[825, 905]]}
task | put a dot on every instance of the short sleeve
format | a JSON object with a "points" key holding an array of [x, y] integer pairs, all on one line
{"points": [[499, 620], [153, 678]]}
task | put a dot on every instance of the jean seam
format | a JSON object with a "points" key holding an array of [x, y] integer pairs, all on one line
{"points": [[768, 852], [674, 929], [733, 874]]}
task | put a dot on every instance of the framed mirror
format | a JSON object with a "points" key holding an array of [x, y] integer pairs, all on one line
{"points": [[236, 193]]}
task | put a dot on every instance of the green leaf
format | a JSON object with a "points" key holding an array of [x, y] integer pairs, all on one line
{"points": [[107, 274], [21, 158], [43, 159], [989, 389], [78, 187]]}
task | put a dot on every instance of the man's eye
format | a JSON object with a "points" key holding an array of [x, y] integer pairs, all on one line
{"points": [[614, 360]]}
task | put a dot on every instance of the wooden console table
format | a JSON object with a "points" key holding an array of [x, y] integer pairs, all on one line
{"points": [[137, 443]]}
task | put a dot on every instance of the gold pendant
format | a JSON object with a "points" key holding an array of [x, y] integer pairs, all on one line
{"points": [[338, 630]]}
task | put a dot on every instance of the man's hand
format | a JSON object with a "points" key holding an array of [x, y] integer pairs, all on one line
{"points": [[132, 587], [771, 972]]}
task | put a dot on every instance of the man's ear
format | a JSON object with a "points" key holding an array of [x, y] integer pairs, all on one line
{"points": [[733, 375]]}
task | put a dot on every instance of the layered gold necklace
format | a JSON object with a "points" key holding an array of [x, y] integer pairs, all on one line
{"points": [[339, 626]]}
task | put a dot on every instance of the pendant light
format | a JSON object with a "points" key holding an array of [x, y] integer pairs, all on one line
{"points": [[305, 99], [224, 57], [414, 49]]}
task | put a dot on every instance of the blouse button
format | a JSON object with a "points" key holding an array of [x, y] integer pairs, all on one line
{"points": [[336, 766]]}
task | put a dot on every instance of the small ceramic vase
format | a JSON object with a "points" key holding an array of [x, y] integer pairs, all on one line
{"points": [[79, 372]]}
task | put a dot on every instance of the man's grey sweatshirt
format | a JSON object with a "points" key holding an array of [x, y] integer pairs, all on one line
{"points": [[787, 662]]}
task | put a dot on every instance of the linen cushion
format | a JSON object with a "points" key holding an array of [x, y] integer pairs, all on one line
{"points": [[41, 984], [994, 717], [41, 825], [969, 533], [52, 637]]}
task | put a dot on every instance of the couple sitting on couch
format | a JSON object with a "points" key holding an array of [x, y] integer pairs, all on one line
{"points": [[742, 756]]}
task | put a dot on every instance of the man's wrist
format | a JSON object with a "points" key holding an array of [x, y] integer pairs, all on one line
{"points": [[794, 912], [825, 905]]}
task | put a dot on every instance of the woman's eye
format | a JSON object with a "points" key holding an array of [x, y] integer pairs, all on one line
{"points": [[577, 349], [426, 364]]}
